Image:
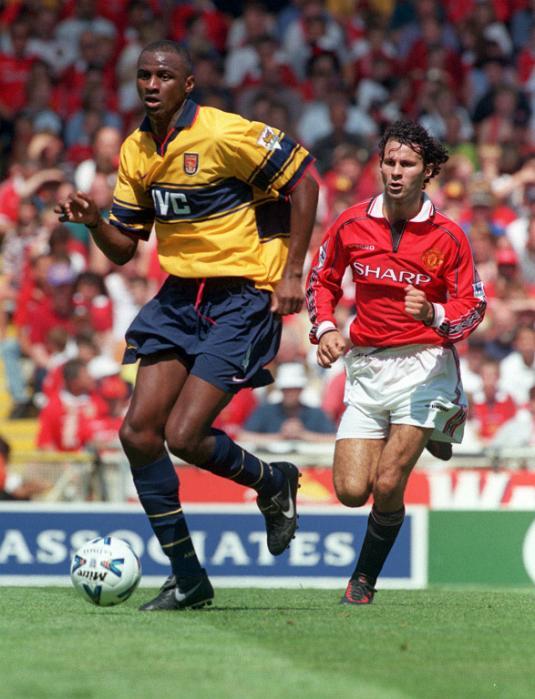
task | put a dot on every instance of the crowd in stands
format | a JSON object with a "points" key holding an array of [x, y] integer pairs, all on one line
{"points": [[332, 74]]}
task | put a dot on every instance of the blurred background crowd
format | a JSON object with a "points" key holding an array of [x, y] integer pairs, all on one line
{"points": [[330, 73]]}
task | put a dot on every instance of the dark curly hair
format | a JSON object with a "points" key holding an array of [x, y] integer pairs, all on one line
{"points": [[410, 133]]}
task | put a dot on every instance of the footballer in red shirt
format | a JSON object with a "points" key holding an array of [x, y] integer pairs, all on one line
{"points": [[416, 293]]}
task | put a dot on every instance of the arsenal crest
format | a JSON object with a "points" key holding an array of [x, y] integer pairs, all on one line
{"points": [[432, 259], [191, 163]]}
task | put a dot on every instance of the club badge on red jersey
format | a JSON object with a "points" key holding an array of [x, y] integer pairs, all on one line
{"points": [[191, 163], [433, 258]]}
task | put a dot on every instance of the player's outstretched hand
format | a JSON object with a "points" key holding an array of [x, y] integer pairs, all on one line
{"points": [[78, 208], [288, 296], [417, 305], [331, 346]]}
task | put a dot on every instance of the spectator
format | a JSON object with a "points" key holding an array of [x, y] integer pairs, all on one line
{"points": [[56, 53], [517, 230], [500, 332], [129, 291], [271, 77], [481, 214], [288, 418], [15, 67], [471, 364], [517, 370], [49, 305], [527, 258], [62, 246], [93, 309], [243, 39], [115, 391], [104, 159], [233, 416], [313, 33], [492, 406], [96, 111], [316, 123], [507, 108], [84, 18], [519, 431], [40, 103], [65, 423], [338, 135], [12, 485]]}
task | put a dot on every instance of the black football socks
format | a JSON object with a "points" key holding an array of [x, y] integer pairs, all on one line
{"points": [[230, 461], [382, 531], [157, 485]]}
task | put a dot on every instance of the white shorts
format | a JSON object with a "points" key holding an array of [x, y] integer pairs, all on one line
{"points": [[409, 385]]}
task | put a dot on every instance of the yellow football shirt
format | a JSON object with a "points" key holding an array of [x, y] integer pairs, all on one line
{"points": [[215, 191]]}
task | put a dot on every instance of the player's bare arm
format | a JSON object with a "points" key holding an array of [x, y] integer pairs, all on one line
{"points": [[417, 305], [80, 208], [332, 346], [289, 295]]}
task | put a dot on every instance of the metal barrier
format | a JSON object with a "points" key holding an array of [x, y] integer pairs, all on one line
{"points": [[75, 476], [104, 475]]}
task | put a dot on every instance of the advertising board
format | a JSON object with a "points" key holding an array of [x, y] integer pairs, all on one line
{"points": [[38, 540]]}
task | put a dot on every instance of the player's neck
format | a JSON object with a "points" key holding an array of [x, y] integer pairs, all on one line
{"points": [[162, 125], [401, 210]]}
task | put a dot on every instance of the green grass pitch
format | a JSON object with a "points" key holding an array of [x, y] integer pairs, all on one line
{"points": [[270, 644]]}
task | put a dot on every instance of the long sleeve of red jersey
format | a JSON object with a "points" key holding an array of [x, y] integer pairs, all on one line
{"points": [[324, 283], [465, 306]]}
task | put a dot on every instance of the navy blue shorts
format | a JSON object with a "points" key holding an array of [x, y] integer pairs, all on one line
{"points": [[224, 332]]}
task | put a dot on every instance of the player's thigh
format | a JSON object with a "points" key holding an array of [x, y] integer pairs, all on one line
{"points": [[402, 450], [194, 411], [354, 468], [159, 381]]}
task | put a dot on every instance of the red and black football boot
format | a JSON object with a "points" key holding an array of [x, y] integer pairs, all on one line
{"points": [[358, 591]]}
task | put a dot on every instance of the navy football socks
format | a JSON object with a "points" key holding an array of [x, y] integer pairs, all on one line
{"points": [[157, 486], [230, 461], [382, 531]]}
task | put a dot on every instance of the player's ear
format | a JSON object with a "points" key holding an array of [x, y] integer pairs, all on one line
{"points": [[190, 84]]}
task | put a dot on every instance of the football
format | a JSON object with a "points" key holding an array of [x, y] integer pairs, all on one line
{"points": [[105, 571]]}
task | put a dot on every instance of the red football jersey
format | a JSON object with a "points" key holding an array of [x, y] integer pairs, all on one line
{"points": [[430, 252]]}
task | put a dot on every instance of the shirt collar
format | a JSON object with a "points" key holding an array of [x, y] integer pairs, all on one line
{"points": [[426, 212], [185, 118]]}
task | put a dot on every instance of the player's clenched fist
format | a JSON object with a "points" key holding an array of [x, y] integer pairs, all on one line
{"points": [[331, 346], [417, 305]]}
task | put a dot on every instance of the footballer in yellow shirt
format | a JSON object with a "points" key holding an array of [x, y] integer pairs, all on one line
{"points": [[233, 205]]}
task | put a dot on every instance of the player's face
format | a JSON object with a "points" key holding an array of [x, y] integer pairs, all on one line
{"points": [[163, 83], [403, 172]]}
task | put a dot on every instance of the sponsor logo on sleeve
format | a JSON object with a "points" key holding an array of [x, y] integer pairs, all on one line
{"points": [[269, 140]]}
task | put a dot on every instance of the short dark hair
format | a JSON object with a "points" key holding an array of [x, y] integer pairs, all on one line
{"points": [[72, 369], [168, 46], [412, 134]]}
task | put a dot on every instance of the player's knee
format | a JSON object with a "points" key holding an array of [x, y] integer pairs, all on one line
{"points": [[386, 488], [183, 443], [350, 492], [139, 440]]}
